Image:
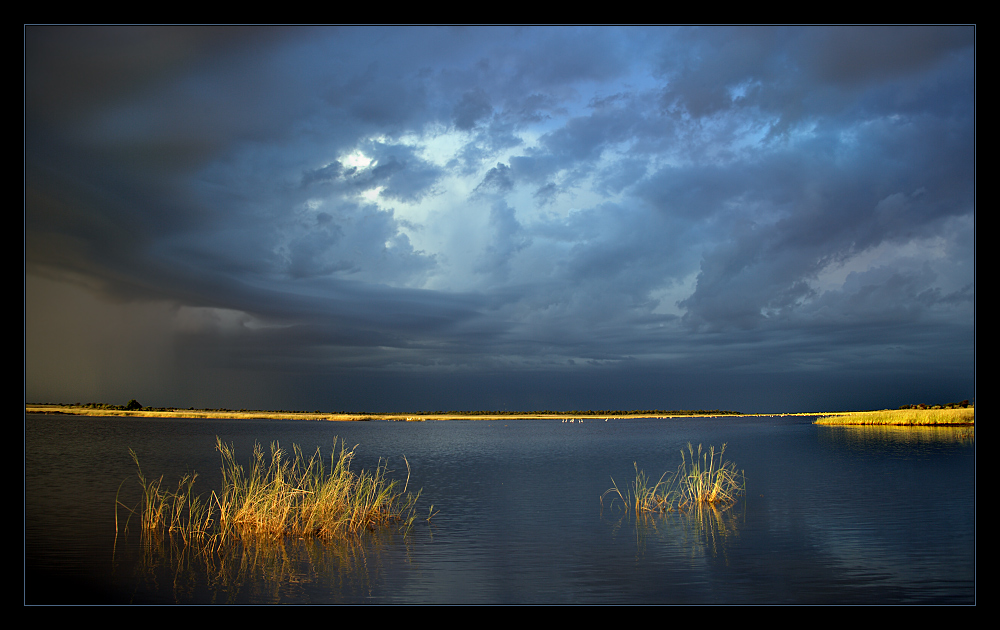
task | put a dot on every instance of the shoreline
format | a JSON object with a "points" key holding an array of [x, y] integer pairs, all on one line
{"points": [[936, 417], [74, 410]]}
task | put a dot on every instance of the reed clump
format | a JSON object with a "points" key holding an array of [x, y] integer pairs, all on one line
{"points": [[906, 417], [279, 496], [702, 479]]}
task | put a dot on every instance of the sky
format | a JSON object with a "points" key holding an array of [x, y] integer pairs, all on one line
{"points": [[500, 218]]}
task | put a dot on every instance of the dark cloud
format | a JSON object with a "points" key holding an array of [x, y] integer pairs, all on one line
{"points": [[497, 180], [328, 174], [796, 74], [584, 138], [474, 106], [863, 54], [546, 194]]}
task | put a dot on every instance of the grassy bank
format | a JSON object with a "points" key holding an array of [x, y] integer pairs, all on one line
{"points": [[905, 417], [274, 497]]}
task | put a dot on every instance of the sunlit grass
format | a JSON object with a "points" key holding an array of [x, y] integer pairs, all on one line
{"points": [[278, 496], [703, 478], [906, 417], [177, 511]]}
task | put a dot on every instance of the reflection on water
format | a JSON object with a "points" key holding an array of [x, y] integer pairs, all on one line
{"points": [[869, 436], [266, 571], [704, 531]]}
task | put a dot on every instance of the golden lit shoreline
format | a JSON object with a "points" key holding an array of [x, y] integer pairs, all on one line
{"points": [[79, 410], [905, 417], [901, 417]]}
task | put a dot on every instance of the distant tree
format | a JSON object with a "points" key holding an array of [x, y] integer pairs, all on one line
{"points": [[133, 405]]}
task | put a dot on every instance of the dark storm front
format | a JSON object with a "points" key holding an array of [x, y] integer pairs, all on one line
{"points": [[830, 515]]}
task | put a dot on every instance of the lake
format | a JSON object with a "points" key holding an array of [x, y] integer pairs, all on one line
{"points": [[831, 515]]}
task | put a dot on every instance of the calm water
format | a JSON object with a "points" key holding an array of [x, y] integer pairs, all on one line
{"points": [[832, 516]]}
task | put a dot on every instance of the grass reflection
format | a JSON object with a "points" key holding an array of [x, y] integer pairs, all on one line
{"points": [[704, 531], [263, 571], [888, 435]]}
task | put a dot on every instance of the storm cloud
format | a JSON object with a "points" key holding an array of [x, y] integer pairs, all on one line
{"points": [[400, 218]]}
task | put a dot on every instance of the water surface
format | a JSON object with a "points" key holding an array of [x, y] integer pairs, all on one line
{"points": [[832, 515]]}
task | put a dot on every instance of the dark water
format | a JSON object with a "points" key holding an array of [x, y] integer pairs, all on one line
{"points": [[832, 516]]}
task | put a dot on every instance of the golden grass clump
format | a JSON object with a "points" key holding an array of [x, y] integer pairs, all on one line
{"points": [[906, 417], [701, 479], [276, 497]]}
